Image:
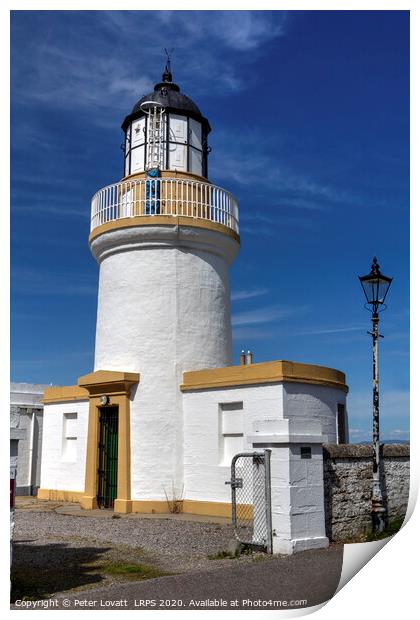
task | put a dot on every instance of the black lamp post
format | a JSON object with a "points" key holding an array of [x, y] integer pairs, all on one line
{"points": [[375, 286]]}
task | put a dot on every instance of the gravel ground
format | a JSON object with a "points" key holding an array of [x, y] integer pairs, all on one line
{"points": [[173, 545], [63, 555]]}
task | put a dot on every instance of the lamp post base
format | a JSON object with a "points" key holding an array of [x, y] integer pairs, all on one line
{"points": [[379, 516]]}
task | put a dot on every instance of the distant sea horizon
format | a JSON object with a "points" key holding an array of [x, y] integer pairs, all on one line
{"points": [[385, 441]]}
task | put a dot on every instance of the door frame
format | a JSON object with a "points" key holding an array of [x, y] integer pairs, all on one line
{"points": [[118, 388]]}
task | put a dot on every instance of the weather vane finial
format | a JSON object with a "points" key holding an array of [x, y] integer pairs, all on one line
{"points": [[167, 74]]}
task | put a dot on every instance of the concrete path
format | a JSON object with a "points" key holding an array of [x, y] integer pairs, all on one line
{"points": [[34, 504], [302, 580]]}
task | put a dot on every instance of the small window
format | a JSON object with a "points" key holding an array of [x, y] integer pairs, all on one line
{"points": [[69, 447], [177, 157], [341, 424], [196, 164], [305, 452], [178, 128], [137, 159], [195, 134], [231, 431], [138, 132]]}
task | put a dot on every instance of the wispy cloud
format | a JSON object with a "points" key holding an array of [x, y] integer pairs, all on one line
{"points": [[359, 434], [259, 231], [334, 330], [262, 315], [395, 404], [240, 31], [30, 282], [260, 166], [259, 224], [248, 293], [109, 71], [400, 432], [251, 334], [44, 209], [60, 359]]}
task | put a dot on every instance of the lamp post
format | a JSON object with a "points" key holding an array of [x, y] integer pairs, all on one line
{"points": [[375, 286]]}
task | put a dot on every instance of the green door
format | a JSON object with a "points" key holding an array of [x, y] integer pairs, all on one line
{"points": [[108, 456]]}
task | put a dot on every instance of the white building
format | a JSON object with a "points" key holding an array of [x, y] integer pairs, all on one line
{"points": [[165, 409], [26, 419]]}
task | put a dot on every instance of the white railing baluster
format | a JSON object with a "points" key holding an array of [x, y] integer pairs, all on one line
{"points": [[176, 197]]}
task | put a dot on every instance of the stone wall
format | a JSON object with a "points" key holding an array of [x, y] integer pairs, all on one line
{"points": [[348, 485]]}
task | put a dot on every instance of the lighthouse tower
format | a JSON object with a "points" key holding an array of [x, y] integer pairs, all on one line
{"points": [[155, 426], [164, 238]]}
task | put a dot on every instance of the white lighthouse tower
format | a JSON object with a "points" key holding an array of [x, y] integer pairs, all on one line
{"points": [[164, 238], [156, 424]]}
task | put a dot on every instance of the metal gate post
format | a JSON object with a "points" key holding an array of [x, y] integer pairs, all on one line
{"points": [[233, 487], [267, 457]]}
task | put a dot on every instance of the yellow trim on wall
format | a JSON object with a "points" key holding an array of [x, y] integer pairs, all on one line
{"points": [[210, 509], [113, 381], [59, 496], [150, 506], [265, 372], [123, 506], [64, 393], [195, 507], [163, 220]]}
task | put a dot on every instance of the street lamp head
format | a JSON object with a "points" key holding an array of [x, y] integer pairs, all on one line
{"points": [[375, 286]]}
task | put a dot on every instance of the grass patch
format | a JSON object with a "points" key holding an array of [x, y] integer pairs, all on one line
{"points": [[230, 555], [392, 528], [223, 555], [135, 571], [260, 558]]}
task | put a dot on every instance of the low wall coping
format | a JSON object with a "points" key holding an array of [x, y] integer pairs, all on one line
{"points": [[363, 451]]}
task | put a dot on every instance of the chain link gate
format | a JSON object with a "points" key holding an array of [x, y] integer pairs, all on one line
{"points": [[251, 499]]}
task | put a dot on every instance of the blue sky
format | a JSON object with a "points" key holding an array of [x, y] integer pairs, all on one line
{"points": [[310, 118]]}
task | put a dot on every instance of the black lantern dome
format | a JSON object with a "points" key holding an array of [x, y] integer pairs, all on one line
{"points": [[183, 130], [169, 95], [375, 286]]}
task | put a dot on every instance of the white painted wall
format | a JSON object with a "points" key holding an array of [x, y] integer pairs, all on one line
{"points": [[27, 394], [163, 308], [204, 475], [57, 471], [317, 402], [26, 413]]}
